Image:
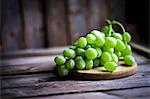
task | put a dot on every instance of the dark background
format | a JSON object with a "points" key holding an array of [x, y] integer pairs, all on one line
{"points": [[32, 24]]}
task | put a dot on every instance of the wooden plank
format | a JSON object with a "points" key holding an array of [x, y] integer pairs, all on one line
{"points": [[77, 22], [11, 29], [55, 21], [28, 65], [117, 10], [140, 59], [98, 12], [72, 86], [33, 23], [89, 95], [132, 93], [27, 60], [145, 51], [23, 80], [34, 52], [55, 51], [144, 68], [40, 64]]}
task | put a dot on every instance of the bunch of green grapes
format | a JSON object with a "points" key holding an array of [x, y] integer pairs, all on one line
{"points": [[98, 48]]}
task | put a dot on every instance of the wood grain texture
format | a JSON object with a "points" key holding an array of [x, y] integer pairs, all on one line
{"points": [[33, 23], [11, 30], [98, 11], [140, 59], [46, 63], [24, 80], [55, 51], [117, 10], [28, 65], [55, 22], [77, 21], [141, 93], [91, 95], [99, 73], [61, 87], [33, 52]]}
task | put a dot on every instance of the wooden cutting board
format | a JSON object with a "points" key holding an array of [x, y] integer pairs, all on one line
{"points": [[100, 73]]}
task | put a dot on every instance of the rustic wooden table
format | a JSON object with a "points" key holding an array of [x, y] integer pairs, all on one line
{"points": [[29, 74]]}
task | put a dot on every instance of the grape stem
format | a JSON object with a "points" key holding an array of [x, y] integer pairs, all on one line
{"points": [[118, 23], [110, 26], [108, 21]]}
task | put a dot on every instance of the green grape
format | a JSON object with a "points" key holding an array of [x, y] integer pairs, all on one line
{"points": [[117, 36], [105, 30], [88, 46], [82, 42], [70, 64], [91, 53], [100, 41], [110, 42], [62, 70], [96, 62], [118, 53], [106, 57], [103, 35], [127, 50], [109, 50], [99, 51], [80, 63], [75, 43], [80, 51], [90, 38], [73, 47], [101, 62], [110, 66], [60, 60], [97, 33], [129, 60], [126, 37], [89, 64], [69, 53], [114, 58], [120, 45]]}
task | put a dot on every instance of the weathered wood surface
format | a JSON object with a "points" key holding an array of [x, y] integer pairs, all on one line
{"points": [[34, 24], [28, 65], [129, 93], [41, 63], [11, 30], [33, 77], [61, 87], [33, 27], [33, 52], [23, 80], [98, 11], [77, 18], [89, 95], [56, 22]]}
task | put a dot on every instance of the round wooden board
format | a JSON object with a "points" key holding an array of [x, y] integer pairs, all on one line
{"points": [[101, 73]]}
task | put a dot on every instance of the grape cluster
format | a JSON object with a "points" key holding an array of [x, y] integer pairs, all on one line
{"points": [[98, 48]]}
